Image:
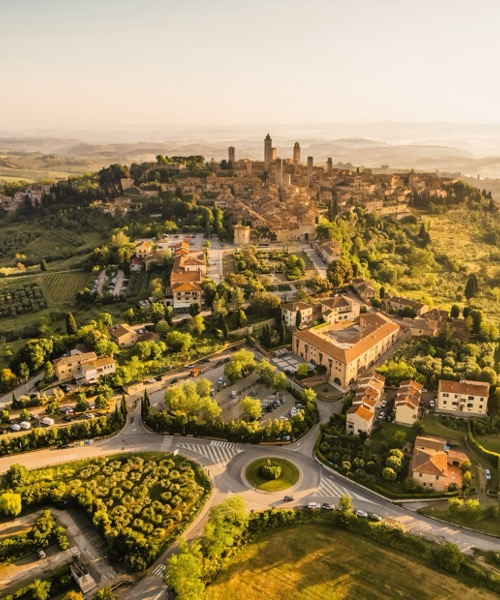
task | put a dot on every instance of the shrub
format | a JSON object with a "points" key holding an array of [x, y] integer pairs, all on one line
{"points": [[269, 471]]}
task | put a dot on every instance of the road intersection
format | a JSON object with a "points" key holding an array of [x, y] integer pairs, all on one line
{"points": [[226, 461]]}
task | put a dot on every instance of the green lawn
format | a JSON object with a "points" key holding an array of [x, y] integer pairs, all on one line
{"points": [[447, 428], [62, 287], [490, 525], [309, 562], [289, 475], [490, 442]]}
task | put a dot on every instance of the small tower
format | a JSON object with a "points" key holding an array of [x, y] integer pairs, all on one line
{"points": [[231, 154], [268, 152], [329, 164], [241, 235], [296, 154]]}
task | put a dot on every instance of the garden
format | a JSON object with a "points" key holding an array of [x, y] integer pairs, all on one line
{"points": [[272, 474], [140, 503], [25, 298]]}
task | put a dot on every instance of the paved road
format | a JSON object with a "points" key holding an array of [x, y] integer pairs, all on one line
{"points": [[225, 462]]}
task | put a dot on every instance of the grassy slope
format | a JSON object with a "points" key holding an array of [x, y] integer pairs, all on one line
{"points": [[307, 562]]}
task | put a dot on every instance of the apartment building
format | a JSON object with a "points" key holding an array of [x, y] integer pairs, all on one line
{"points": [[464, 398]]}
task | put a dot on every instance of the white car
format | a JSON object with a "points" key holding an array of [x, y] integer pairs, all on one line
{"points": [[487, 474], [15, 427], [313, 505], [432, 403], [361, 514]]}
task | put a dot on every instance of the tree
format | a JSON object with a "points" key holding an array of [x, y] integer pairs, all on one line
{"points": [[225, 527], [71, 327], [449, 557], [24, 371], [455, 505], [24, 415], [72, 595], [471, 287], [250, 408], [197, 324], [265, 303], [49, 373], [40, 589], [185, 571], [4, 415], [389, 474], [82, 403], [178, 341], [298, 318], [43, 265], [242, 363], [194, 309], [302, 370], [16, 476], [104, 593], [309, 395], [265, 338], [267, 372], [241, 318], [10, 504], [473, 510], [344, 505], [455, 311], [339, 272]]}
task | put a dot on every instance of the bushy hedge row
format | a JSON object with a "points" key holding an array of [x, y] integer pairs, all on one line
{"points": [[53, 436], [59, 582]]}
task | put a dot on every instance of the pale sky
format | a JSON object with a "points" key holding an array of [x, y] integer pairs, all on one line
{"points": [[75, 63]]}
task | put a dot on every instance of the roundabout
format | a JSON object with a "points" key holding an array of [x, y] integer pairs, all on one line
{"points": [[271, 474]]}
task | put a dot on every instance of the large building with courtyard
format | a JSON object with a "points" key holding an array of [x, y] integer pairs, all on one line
{"points": [[346, 350]]}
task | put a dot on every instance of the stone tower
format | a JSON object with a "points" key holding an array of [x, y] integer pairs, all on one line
{"points": [[241, 235], [329, 164], [268, 152], [278, 173], [296, 154], [231, 154]]}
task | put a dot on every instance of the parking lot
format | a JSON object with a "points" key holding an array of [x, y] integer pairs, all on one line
{"points": [[286, 362]]}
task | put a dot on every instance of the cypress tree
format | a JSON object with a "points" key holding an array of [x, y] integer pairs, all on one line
{"points": [[471, 286], [71, 327]]}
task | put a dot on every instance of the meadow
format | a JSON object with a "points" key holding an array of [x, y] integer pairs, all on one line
{"points": [[307, 562]]}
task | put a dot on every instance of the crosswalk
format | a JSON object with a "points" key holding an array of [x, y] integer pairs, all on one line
{"points": [[217, 452], [61, 458], [166, 443], [159, 570], [330, 489], [74, 551], [438, 534]]}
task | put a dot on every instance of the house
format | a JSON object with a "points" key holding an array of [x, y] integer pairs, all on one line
{"points": [[434, 465], [328, 251], [346, 352], [464, 398], [84, 366], [124, 335], [289, 313], [361, 415], [407, 402], [82, 577], [422, 327], [406, 305], [134, 387], [364, 289], [143, 248], [136, 265], [339, 308], [94, 370]]}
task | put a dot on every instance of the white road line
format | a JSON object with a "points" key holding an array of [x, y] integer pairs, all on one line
{"points": [[61, 458], [216, 453], [159, 570], [166, 443]]}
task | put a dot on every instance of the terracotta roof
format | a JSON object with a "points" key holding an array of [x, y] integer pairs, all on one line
{"points": [[293, 306], [430, 462], [186, 286], [465, 387], [361, 411], [411, 383], [405, 302], [337, 302], [75, 359], [120, 330], [436, 443]]}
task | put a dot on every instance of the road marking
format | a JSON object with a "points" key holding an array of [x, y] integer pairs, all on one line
{"points": [[61, 458], [219, 452], [159, 570], [75, 551], [328, 488], [166, 443]]}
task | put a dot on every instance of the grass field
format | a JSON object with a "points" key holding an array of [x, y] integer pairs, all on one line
{"points": [[289, 475], [490, 525], [490, 442], [450, 428], [307, 562]]}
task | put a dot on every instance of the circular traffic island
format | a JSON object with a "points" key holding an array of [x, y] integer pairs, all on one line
{"points": [[272, 474]]}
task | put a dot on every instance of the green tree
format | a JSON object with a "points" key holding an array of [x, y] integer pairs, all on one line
{"points": [[345, 506], [43, 265], [471, 287], [4, 415], [179, 341], [455, 311], [389, 474], [49, 373], [40, 589], [241, 318], [250, 408], [449, 557], [265, 303], [24, 371], [455, 505], [298, 319], [72, 595], [302, 370], [225, 527], [184, 572], [242, 363], [10, 504], [473, 509], [104, 593], [194, 309], [339, 272], [16, 476], [71, 326], [265, 338], [197, 324]]}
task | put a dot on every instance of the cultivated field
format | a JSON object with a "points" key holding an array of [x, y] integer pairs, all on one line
{"points": [[307, 562], [62, 287]]}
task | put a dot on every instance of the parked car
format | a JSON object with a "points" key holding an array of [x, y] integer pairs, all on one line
{"points": [[40, 553], [65, 387], [15, 427], [151, 380], [383, 403], [374, 517], [174, 380], [68, 418], [381, 415], [361, 514], [313, 505], [432, 403], [205, 360], [234, 393], [388, 418], [288, 498], [253, 393], [487, 474], [327, 506], [89, 416]]}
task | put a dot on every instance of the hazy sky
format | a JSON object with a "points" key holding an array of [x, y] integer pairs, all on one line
{"points": [[75, 63]]}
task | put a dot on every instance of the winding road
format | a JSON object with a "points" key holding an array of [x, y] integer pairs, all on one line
{"points": [[225, 462]]}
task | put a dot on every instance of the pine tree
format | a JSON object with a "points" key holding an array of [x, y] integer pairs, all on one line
{"points": [[43, 265], [298, 318], [14, 400], [266, 337], [123, 406], [71, 326]]}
